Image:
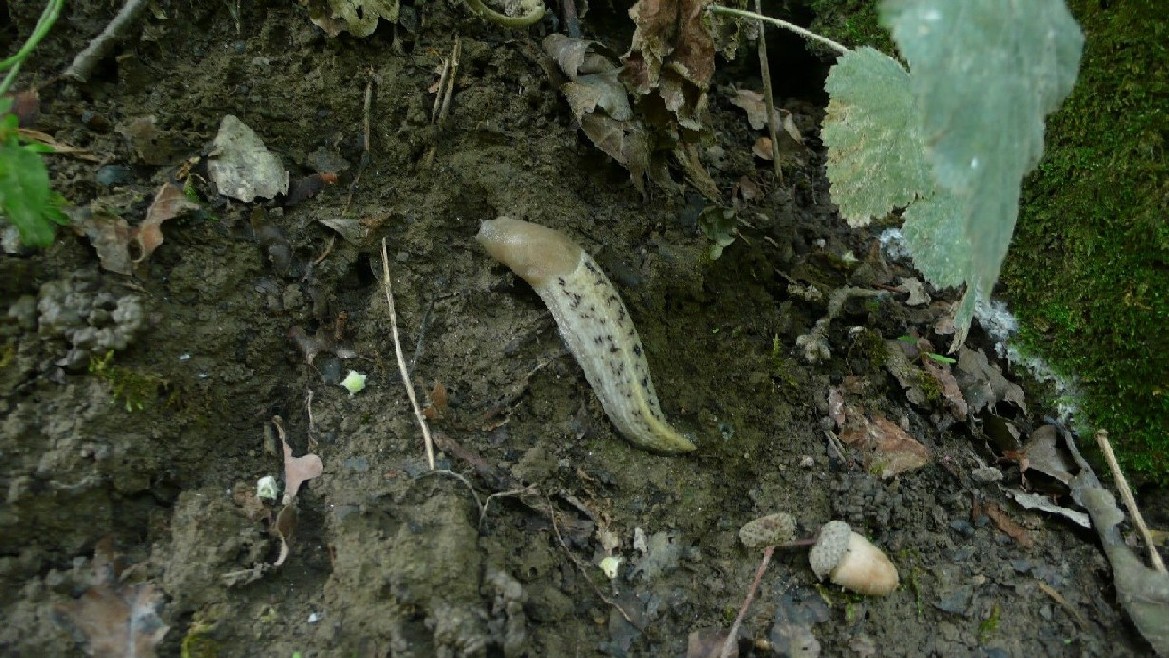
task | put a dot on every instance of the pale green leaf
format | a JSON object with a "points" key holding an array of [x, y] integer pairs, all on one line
{"points": [[985, 73], [875, 159], [932, 230]]}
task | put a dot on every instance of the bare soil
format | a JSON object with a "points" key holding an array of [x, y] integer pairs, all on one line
{"points": [[156, 450]]}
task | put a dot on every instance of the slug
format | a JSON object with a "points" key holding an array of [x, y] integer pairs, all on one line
{"points": [[594, 323]]}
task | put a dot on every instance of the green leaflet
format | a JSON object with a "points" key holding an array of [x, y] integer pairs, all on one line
{"points": [[25, 196], [958, 133], [875, 159]]}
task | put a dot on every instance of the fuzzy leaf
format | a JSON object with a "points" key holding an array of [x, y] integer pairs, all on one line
{"points": [[25, 196], [985, 73], [875, 153]]}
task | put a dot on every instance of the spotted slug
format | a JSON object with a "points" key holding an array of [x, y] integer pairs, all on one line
{"points": [[594, 323]]}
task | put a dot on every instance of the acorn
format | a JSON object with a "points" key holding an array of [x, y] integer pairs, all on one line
{"points": [[851, 561]]}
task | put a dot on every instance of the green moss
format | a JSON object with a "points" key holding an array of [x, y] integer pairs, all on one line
{"points": [[1088, 271], [132, 388], [853, 23]]}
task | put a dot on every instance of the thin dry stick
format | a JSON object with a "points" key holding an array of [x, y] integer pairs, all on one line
{"points": [[450, 87], [1129, 501], [365, 143], [584, 571], [719, 9], [769, 98], [729, 644], [402, 360], [87, 59]]}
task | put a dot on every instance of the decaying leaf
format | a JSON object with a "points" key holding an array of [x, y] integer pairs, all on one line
{"points": [[120, 246], [169, 202], [1143, 591], [910, 361], [116, 620], [438, 402], [982, 382], [1043, 504], [242, 167], [791, 633], [672, 55], [753, 103], [358, 17], [1004, 522], [887, 449], [1044, 455]]}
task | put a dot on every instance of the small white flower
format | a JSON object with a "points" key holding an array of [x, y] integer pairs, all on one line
{"points": [[266, 488], [354, 382], [610, 565]]}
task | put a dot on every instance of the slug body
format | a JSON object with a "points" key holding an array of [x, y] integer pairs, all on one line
{"points": [[594, 323]]}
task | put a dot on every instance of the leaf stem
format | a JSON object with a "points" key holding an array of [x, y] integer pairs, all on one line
{"points": [[807, 34], [12, 64]]}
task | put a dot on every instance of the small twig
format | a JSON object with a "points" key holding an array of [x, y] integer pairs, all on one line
{"points": [[101, 45], [807, 34], [44, 22], [729, 644], [367, 104], [422, 327], [769, 98], [456, 51], [1127, 497], [402, 359], [584, 571], [531, 18]]}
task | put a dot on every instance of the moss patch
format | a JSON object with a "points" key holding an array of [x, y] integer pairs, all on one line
{"points": [[1088, 271]]}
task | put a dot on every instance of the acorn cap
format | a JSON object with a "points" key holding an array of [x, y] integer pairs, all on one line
{"points": [[831, 547], [777, 528]]}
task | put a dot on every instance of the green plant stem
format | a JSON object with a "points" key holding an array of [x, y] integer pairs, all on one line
{"points": [[807, 34], [490, 14], [12, 64]]}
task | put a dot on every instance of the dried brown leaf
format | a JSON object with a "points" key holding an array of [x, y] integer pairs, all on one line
{"points": [[110, 236], [598, 90], [950, 390], [1004, 522], [887, 448], [438, 402], [297, 470], [1044, 455], [626, 143], [672, 53], [169, 202], [577, 56]]}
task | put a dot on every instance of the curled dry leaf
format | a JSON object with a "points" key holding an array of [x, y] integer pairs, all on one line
{"points": [[1004, 522], [982, 382], [888, 450], [753, 103], [672, 55], [120, 246]]}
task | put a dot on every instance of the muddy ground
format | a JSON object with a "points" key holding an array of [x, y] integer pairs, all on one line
{"points": [[148, 458]]}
